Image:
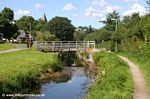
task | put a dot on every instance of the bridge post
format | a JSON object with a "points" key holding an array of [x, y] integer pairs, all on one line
{"points": [[45, 46], [85, 46], [53, 45], [61, 46], [69, 45], [76, 45]]}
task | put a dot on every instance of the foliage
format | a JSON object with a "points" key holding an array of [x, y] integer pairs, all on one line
{"points": [[110, 23], [82, 31], [6, 27], [6, 46], [8, 14], [21, 67], [40, 26], [24, 23], [113, 80], [44, 36], [62, 28], [99, 36]]}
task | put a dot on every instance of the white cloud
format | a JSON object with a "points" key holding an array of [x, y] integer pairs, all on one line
{"points": [[92, 13], [130, 0], [21, 13], [69, 7], [99, 2], [110, 9], [103, 19], [136, 8], [39, 6], [99, 8]]}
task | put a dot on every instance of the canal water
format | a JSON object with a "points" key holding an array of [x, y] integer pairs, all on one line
{"points": [[73, 84]]}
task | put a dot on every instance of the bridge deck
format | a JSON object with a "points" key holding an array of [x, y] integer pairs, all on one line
{"points": [[64, 45]]}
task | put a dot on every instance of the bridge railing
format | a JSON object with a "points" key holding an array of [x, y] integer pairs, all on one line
{"points": [[64, 45]]}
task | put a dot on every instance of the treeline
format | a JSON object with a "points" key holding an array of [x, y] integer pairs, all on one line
{"points": [[58, 28], [132, 33]]}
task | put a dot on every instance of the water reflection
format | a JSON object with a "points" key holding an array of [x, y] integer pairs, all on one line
{"points": [[72, 84]]}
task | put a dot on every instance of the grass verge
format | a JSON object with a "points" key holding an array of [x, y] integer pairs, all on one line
{"points": [[114, 79], [144, 64], [17, 69], [6, 46]]}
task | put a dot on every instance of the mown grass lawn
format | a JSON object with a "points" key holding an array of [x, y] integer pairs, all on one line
{"points": [[6, 46], [114, 80], [16, 68]]}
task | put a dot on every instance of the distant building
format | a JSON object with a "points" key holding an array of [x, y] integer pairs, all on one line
{"points": [[22, 36], [44, 19]]}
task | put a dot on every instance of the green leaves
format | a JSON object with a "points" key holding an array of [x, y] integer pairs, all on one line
{"points": [[8, 14], [62, 28]]}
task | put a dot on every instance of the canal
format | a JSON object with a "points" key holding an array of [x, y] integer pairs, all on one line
{"points": [[72, 84]]}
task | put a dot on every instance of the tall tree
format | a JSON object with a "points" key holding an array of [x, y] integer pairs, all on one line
{"points": [[25, 23], [8, 14], [109, 22], [6, 27], [62, 28]]}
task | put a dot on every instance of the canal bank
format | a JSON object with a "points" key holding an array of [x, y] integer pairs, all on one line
{"points": [[30, 70], [19, 69], [71, 83]]}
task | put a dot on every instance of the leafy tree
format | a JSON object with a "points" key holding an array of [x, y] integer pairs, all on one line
{"points": [[99, 35], [82, 31], [40, 25], [109, 22], [62, 28], [25, 22], [2, 24], [8, 14], [6, 27], [44, 36]]}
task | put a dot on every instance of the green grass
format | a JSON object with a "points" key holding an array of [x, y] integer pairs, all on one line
{"points": [[113, 81], [17, 69], [143, 61], [6, 46]]}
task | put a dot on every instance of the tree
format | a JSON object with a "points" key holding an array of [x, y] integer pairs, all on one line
{"points": [[2, 24], [8, 14], [62, 28], [40, 25], [82, 31], [6, 27], [109, 23], [25, 22]]}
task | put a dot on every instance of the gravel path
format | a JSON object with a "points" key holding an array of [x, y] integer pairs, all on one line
{"points": [[12, 50], [140, 88]]}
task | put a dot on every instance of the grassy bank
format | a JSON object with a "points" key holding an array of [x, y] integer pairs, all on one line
{"points": [[114, 80], [6, 46], [143, 61], [18, 69]]}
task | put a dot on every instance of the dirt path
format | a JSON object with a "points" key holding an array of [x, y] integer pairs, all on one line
{"points": [[140, 88], [12, 50]]}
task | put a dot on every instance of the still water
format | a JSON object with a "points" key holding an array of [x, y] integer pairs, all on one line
{"points": [[73, 84]]}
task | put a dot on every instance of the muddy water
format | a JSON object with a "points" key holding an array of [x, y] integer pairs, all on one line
{"points": [[73, 84]]}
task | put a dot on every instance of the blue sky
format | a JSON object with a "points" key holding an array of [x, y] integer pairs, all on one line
{"points": [[81, 12]]}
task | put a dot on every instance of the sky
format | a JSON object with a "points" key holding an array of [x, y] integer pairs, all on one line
{"points": [[80, 12]]}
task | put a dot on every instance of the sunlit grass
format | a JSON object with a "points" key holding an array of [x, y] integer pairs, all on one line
{"points": [[114, 80], [17, 68], [6, 46]]}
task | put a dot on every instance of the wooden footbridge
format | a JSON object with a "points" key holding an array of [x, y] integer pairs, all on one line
{"points": [[57, 46]]}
